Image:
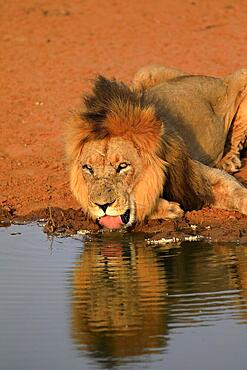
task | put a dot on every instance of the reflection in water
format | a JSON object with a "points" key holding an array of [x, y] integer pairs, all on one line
{"points": [[118, 305], [127, 297], [112, 301]]}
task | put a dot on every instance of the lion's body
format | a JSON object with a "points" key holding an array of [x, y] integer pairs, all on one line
{"points": [[209, 113], [140, 153]]}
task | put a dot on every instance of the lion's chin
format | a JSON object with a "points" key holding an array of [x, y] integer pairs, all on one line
{"points": [[115, 222]]}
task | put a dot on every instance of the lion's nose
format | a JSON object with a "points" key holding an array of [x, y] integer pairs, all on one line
{"points": [[105, 205]]}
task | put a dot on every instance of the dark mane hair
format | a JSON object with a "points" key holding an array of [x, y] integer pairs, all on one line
{"points": [[101, 102]]}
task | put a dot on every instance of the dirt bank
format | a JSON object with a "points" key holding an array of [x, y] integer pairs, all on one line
{"points": [[207, 224], [51, 50]]}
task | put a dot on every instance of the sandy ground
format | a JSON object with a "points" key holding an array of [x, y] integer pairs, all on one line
{"points": [[50, 51]]}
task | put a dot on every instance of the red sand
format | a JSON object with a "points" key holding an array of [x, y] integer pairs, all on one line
{"points": [[50, 51]]}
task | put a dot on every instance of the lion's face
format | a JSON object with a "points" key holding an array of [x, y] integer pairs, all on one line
{"points": [[113, 183], [106, 173]]}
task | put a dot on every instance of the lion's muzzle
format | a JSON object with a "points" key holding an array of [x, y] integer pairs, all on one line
{"points": [[102, 193], [110, 204]]}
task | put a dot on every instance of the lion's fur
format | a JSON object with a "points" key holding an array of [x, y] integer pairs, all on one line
{"points": [[137, 121]]}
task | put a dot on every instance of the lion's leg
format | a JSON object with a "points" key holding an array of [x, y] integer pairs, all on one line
{"points": [[237, 137], [167, 210], [152, 75], [228, 193]]}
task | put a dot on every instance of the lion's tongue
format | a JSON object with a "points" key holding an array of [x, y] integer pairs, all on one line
{"points": [[112, 222]]}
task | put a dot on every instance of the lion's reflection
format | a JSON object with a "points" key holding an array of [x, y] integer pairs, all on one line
{"points": [[124, 293], [118, 306]]}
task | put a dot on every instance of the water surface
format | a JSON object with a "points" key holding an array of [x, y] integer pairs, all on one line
{"points": [[109, 301]]}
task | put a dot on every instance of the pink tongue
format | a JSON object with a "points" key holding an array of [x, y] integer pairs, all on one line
{"points": [[112, 222]]}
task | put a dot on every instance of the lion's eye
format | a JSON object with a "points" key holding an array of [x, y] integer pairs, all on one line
{"points": [[122, 166], [88, 168]]}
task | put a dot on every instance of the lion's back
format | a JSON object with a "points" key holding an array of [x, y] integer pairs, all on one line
{"points": [[193, 108]]}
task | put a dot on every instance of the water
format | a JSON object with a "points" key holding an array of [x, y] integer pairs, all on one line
{"points": [[104, 302]]}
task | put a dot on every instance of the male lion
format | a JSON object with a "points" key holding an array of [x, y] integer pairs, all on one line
{"points": [[145, 151]]}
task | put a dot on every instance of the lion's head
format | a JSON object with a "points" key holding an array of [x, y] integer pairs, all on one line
{"points": [[115, 171]]}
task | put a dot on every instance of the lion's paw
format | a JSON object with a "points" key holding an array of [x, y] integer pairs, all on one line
{"points": [[167, 210], [230, 163], [174, 211]]}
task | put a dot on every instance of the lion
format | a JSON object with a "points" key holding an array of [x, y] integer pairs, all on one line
{"points": [[165, 145]]}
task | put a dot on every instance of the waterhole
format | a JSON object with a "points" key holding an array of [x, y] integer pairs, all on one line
{"points": [[110, 301]]}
